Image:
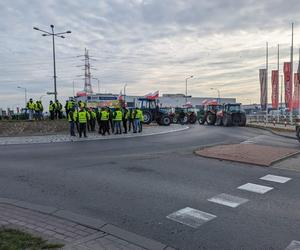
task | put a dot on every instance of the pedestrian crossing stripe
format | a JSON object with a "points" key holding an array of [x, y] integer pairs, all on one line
{"points": [[275, 178], [251, 187], [228, 200], [191, 217]]}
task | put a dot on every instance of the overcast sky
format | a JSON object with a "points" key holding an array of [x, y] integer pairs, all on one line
{"points": [[148, 44]]}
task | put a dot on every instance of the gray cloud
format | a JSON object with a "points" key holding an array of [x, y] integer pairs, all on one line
{"points": [[148, 44]]}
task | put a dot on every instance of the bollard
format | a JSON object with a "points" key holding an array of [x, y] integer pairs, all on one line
{"points": [[285, 122], [274, 122]]}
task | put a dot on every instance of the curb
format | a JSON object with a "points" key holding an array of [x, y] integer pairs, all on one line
{"points": [[102, 138], [90, 222], [272, 131]]}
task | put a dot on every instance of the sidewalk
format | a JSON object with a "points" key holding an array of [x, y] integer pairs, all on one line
{"points": [[147, 131], [75, 231], [279, 129]]}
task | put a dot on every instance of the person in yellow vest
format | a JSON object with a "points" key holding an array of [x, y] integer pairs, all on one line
{"points": [[93, 119], [130, 119], [117, 118], [141, 118], [30, 107], [51, 110], [82, 118], [125, 119], [104, 121], [71, 119], [136, 120]]}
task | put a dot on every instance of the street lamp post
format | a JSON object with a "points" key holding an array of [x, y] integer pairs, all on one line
{"points": [[125, 92], [218, 94], [25, 92], [186, 85], [53, 34]]}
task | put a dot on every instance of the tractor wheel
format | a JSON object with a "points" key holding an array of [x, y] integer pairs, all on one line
{"points": [[192, 119], [175, 120], [236, 119], [211, 119], [147, 117], [165, 120], [219, 121], [227, 121], [243, 120], [201, 120]]}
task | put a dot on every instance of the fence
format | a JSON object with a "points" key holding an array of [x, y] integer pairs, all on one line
{"points": [[273, 119]]}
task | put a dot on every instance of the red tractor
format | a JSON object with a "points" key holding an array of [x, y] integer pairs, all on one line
{"points": [[208, 113]]}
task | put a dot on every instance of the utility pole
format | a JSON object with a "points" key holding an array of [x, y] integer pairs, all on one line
{"points": [[124, 92], [53, 34], [281, 93], [278, 58], [186, 86], [87, 73], [25, 95], [73, 88]]}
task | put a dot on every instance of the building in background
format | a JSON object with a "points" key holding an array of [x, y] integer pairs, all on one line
{"points": [[166, 100]]}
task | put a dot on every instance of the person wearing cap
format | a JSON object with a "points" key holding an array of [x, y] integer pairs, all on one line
{"points": [[92, 120], [136, 120], [51, 110], [71, 119], [125, 119], [130, 119], [117, 118], [82, 118], [104, 121], [30, 107]]}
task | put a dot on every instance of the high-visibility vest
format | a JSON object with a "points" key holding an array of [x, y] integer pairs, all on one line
{"points": [[118, 115], [50, 107], [93, 115], [30, 105], [104, 115], [141, 115], [71, 116], [82, 116]]}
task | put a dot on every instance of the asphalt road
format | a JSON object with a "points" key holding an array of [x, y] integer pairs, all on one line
{"points": [[135, 183]]}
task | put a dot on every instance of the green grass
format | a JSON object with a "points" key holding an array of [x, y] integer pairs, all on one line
{"points": [[11, 239]]}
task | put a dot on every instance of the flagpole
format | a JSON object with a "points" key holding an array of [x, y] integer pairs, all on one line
{"points": [[292, 61], [267, 68], [277, 69]]}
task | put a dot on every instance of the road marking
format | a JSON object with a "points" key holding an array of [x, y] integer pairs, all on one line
{"points": [[275, 178], [255, 188], [191, 217], [247, 142], [228, 200], [294, 245]]}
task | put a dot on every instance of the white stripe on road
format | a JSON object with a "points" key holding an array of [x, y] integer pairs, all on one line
{"points": [[255, 188], [228, 200], [275, 178], [191, 217], [247, 142], [295, 245]]}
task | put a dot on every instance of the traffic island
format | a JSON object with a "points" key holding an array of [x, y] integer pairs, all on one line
{"points": [[248, 153]]}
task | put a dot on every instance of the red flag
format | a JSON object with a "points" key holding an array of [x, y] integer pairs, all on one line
{"points": [[275, 89], [296, 91], [288, 86]]}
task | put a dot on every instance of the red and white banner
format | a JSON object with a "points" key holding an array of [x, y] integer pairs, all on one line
{"points": [[288, 87], [296, 91], [275, 89], [263, 89], [152, 96]]}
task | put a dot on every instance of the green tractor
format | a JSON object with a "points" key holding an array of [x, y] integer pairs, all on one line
{"points": [[184, 115], [152, 112], [231, 115], [208, 113]]}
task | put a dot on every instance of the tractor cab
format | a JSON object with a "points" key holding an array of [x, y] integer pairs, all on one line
{"points": [[152, 112]]}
